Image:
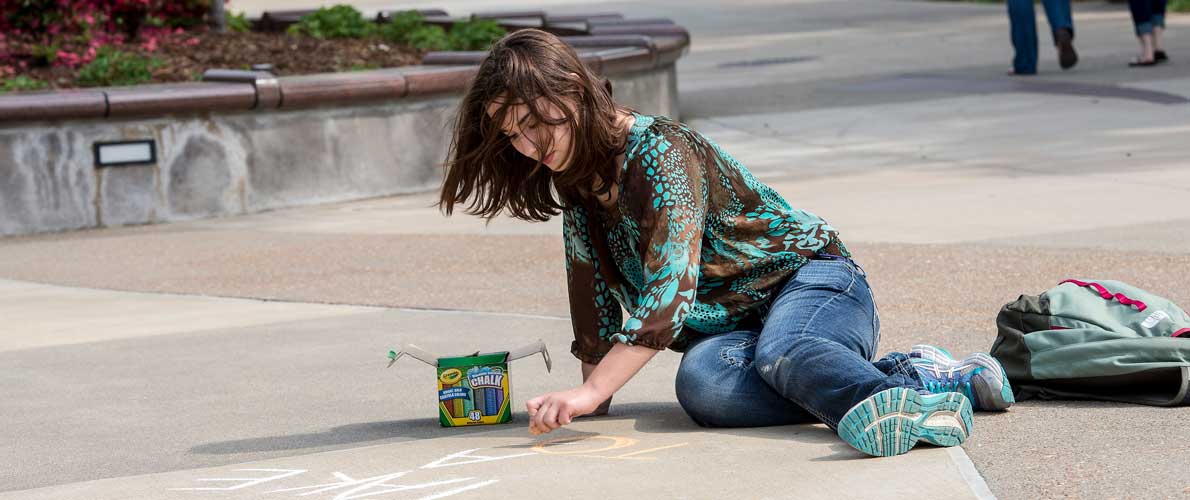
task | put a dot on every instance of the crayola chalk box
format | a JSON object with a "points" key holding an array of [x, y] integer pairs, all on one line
{"points": [[473, 389]]}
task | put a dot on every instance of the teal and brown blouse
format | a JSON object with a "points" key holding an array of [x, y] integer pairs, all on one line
{"points": [[694, 246]]}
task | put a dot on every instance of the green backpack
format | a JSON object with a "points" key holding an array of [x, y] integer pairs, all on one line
{"points": [[1096, 339]]}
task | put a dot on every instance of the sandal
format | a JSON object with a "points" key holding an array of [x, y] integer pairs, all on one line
{"points": [[1160, 56], [1137, 63]]}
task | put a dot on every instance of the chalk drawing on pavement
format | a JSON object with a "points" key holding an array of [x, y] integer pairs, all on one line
{"points": [[345, 487]]}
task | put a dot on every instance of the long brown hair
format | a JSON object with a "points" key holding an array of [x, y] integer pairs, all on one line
{"points": [[484, 167]]}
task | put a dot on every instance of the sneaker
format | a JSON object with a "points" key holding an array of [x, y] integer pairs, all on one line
{"points": [[891, 421], [978, 376]]}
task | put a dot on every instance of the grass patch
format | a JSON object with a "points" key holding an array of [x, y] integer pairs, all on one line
{"points": [[114, 67], [21, 82]]}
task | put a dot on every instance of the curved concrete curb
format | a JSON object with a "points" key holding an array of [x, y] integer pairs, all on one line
{"points": [[608, 43], [979, 487]]}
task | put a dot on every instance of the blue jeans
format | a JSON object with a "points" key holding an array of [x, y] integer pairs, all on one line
{"points": [[808, 359], [1024, 29], [1147, 14]]}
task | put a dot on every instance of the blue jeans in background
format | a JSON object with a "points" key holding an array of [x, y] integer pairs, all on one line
{"points": [[1023, 23], [1147, 14], [809, 360]]}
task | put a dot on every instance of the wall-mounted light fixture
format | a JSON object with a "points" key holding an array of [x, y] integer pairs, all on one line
{"points": [[117, 153]]}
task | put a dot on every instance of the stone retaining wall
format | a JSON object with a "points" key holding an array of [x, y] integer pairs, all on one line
{"points": [[243, 142]]}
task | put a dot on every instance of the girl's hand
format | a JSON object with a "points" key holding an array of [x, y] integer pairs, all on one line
{"points": [[553, 410]]}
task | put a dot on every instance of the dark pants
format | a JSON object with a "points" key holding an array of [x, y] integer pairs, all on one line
{"points": [[1023, 23], [1147, 14]]}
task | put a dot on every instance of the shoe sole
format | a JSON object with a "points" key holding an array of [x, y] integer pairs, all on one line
{"points": [[941, 360], [892, 421]]}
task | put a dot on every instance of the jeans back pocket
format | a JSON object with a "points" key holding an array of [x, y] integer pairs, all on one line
{"points": [[838, 275]]}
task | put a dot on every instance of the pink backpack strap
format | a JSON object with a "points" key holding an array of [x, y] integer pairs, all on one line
{"points": [[1103, 292], [1185, 332]]}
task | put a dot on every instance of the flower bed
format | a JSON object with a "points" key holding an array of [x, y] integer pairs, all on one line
{"points": [[127, 42]]}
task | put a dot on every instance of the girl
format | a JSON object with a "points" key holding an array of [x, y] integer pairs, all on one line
{"points": [[776, 321]]}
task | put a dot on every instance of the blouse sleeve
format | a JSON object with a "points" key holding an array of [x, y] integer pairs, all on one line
{"points": [[594, 312], [671, 223]]}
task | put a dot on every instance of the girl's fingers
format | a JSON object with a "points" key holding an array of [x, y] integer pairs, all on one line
{"points": [[537, 418], [533, 405], [550, 417]]}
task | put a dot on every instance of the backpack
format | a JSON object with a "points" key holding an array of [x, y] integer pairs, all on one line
{"points": [[1096, 339]]}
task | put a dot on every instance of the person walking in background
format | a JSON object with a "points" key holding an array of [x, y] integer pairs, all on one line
{"points": [[1148, 16], [1024, 34]]}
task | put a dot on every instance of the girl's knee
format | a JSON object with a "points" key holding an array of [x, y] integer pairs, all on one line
{"points": [[788, 365], [695, 393]]}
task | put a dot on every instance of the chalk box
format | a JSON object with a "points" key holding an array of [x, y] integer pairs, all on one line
{"points": [[473, 389]]}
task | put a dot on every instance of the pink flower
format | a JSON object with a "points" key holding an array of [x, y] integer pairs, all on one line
{"points": [[192, 42], [68, 59]]}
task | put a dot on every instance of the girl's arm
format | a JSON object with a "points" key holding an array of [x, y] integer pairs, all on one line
{"points": [[617, 368], [603, 408], [553, 410]]}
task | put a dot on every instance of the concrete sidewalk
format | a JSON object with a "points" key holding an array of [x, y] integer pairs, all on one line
{"points": [[240, 399], [146, 362]]}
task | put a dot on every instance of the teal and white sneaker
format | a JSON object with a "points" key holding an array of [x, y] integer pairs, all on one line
{"points": [[978, 376], [891, 421]]}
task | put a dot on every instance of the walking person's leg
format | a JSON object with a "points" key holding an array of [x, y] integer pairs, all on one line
{"points": [[1061, 21], [1023, 26], [814, 349], [1158, 20], [1142, 20]]}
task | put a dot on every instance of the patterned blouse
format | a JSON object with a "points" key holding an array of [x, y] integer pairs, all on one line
{"points": [[693, 246]]}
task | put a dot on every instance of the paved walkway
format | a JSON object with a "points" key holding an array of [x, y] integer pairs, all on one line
{"points": [[245, 355]]}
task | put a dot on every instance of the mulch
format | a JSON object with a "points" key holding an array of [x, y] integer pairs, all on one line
{"points": [[184, 56]]}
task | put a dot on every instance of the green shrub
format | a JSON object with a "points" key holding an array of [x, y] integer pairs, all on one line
{"points": [[113, 67], [21, 82], [409, 27], [45, 55], [401, 26], [238, 23], [155, 21], [429, 38], [475, 35], [340, 21], [1179, 5]]}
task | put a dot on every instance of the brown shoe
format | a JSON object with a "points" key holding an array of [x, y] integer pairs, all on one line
{"points": [[1067, 57]]}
